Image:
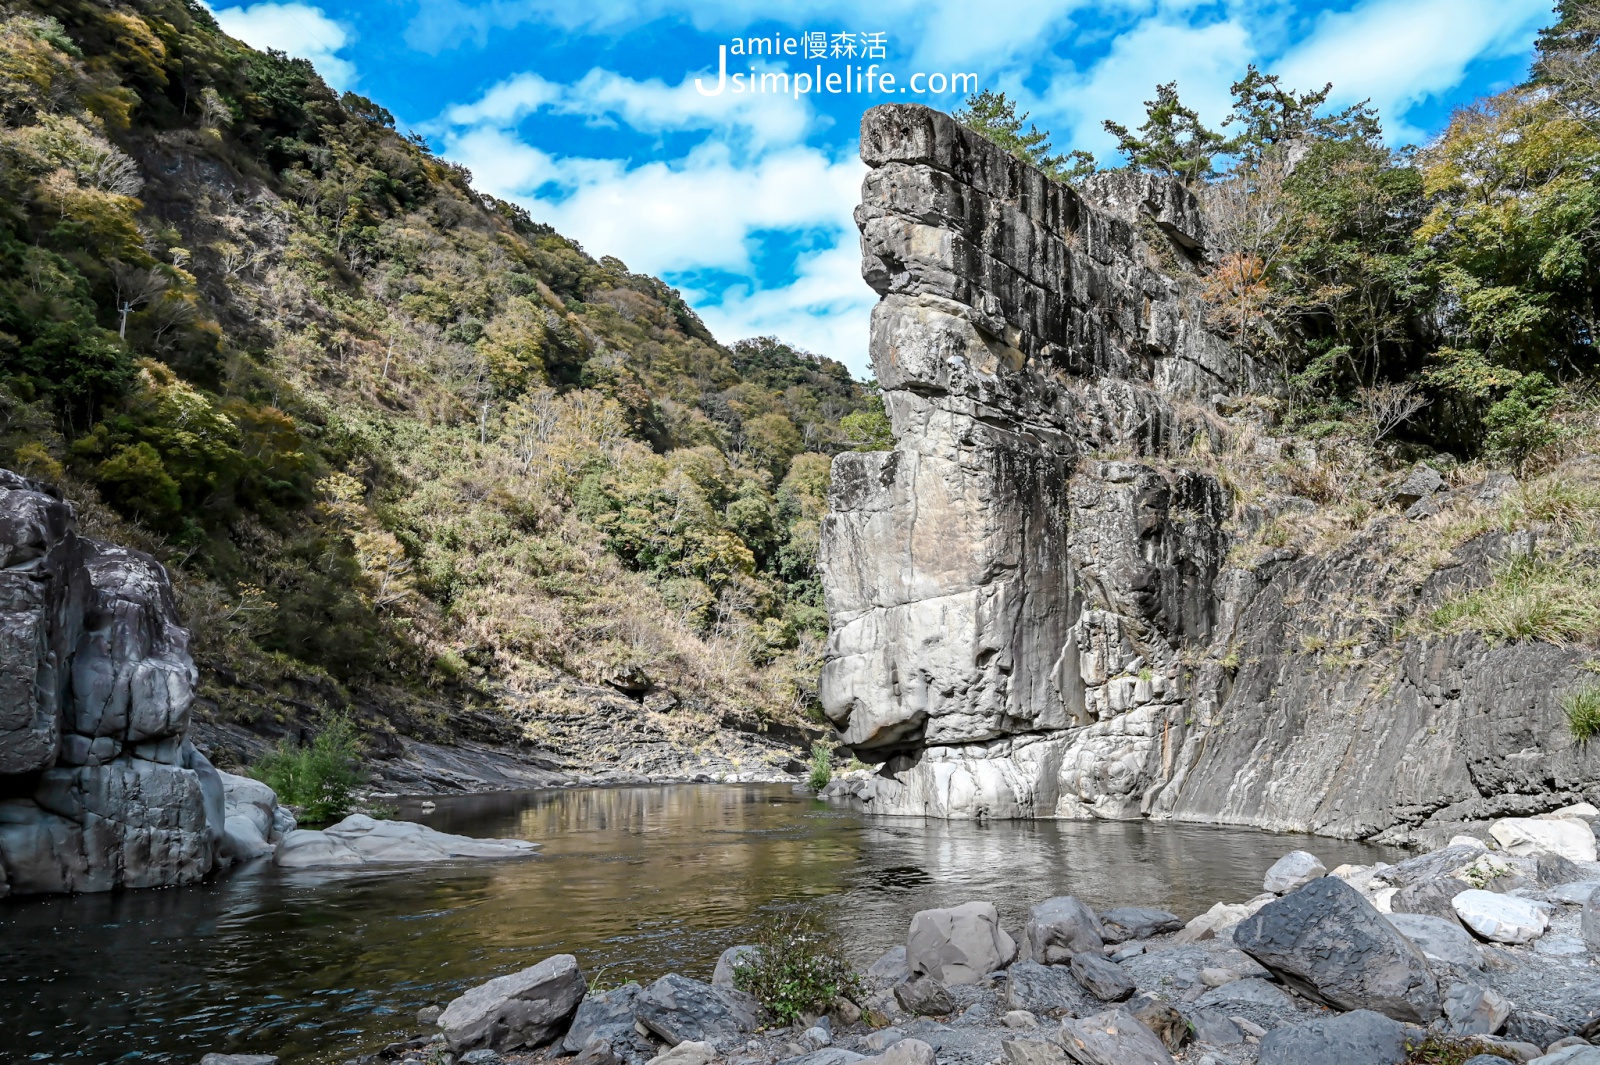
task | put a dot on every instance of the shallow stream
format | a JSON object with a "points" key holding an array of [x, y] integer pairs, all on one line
{"points": [[319, 965]]}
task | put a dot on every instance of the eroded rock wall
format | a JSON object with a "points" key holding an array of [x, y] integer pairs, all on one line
{"points": [[1033, 608], [99, 787], [1003, 600]]}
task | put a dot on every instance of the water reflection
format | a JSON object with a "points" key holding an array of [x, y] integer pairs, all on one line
{"points": [[316, 965]]}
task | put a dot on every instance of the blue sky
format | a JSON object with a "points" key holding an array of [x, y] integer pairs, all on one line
{"points": [[586, 111]]}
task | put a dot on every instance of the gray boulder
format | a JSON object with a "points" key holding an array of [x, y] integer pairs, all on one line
{"points": [[888, 970], [680, 1010], [1238, 993], [1422, 482], [525, 1009], [607, 1015], [1101, 977], [362, 840], [1114, 1037], [905, 1052], [1032, 1052], [958, 945], [727, 961], [1438, 939], [239, 1059], [1430, 896], [1059, 928], [924, 996], [1216, 1029], [1042, 989], [1472, 1009], [1122, 923], [1328, 942], [1294, 870], [1358, 1038]]}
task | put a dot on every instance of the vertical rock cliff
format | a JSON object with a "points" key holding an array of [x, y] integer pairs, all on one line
{"points": [[99, 788], [1033, 610]]}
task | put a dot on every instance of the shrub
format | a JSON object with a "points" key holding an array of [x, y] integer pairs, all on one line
{"points": [[318, 778], [796, 968], [1583, 713], [821, 766]]}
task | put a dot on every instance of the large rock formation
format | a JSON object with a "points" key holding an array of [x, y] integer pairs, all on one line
{"points": [[99, 788], [1033, 608]]}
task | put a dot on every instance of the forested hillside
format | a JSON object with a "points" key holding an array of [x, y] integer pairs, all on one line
{"points": [[406, 451]]}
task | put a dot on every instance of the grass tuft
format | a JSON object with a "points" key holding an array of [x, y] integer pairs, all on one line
{"points": [[1451, 1050], [1532, 597], [1582, 708], [821, 766]]}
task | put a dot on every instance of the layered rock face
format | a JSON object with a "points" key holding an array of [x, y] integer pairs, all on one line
{"points": [[999, 593], [1033, 612], [99, 788]]}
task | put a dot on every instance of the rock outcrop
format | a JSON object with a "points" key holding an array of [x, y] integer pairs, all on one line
{"points": [[99, 787], [1034, 609]]}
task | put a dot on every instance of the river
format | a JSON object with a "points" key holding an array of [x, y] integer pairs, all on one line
{"points": [[319, 965]]}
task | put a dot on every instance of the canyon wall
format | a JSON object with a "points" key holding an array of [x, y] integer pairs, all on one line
{"points": [[1035, 609], [99, 786]]}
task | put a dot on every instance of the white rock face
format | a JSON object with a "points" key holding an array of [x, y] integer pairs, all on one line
{"points": [[959, 945], [1523, 836], [1467, 841], [1501, 918], [255, 823], [1219, 918], [688, 1052], [1294, 870], [361, 840]]}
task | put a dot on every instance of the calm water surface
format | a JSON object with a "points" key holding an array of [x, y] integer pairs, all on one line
{"points": [[319, 965]]}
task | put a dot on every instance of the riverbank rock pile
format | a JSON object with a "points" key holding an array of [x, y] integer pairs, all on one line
{"points": [[100, 787], [1320, 968], [1045, 602]]}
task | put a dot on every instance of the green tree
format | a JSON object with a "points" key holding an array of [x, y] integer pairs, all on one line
{"points": [[1353, 268], [994, 116], [1172, 140], [1267, 116], [135, 480]]}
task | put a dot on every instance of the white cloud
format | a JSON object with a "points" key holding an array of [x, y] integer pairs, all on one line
{"points": [[1203, 60], [507, 103], [1401, 52], [648, 106], [827, 309], [301, 30]]}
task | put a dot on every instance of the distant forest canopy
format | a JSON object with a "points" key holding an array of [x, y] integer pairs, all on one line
{"points": [[1445, 294], [400, 444]]}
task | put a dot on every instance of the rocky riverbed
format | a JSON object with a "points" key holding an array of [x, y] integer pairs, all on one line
{"points": [[1487, 946]]}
